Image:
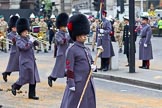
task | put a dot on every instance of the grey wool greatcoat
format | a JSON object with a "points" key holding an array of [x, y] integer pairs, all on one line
{"points": [[78, 63], [13, 63], [62, 41], [104, 39], [145, 53], [28, 68]]}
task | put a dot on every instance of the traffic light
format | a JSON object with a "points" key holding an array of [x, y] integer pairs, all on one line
{"points": [[36, 6], [121, 4], [96, 5]]}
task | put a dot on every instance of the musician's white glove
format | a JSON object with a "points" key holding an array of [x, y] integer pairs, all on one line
{"points": [[145, 45], [101, 30], [93, 67], [31, 39], [72, 88]]}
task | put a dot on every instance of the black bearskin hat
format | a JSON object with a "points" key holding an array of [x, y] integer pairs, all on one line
{"points": [[62, 20], [78, 25], [12, 22], [21, 25]]}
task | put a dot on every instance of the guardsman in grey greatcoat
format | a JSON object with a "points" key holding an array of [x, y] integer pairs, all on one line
{"points": [[104, 40], [78, 66], [145, 46], [27, 65], [13, 63], [62, 40]]}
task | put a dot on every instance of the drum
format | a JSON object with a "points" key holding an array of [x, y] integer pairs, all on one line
{"points": [[35, 29]]}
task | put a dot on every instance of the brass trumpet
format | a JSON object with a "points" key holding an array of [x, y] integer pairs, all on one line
{"points": [[39, 38]]}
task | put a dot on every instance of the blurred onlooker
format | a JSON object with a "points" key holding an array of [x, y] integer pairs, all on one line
{"points": [[160, 26]]}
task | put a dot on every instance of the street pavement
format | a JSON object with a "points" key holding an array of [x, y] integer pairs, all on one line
{"points": [[151, 78], [109, 94]]}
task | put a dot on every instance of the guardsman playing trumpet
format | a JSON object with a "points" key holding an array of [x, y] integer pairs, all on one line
{"points": [[42, 34], [62, 42], [13, 63], [3, 30], [28, 69]]}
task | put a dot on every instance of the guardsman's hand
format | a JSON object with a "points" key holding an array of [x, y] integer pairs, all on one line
{"points": [[145, 45]]}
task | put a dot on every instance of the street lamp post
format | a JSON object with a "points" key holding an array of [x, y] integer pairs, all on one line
{"points": [[132, 37]]}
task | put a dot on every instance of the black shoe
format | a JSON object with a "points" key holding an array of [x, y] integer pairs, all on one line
{"points": [[99, 68], [50, 81], [105, 69], [13, 90], [1, 106], [140, 66], [4, 76], [49, 48], [146, 67], [34, 97]]}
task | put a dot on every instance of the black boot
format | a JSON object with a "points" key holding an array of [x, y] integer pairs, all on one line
{"points": [[45, 51], [49, 48], [105, 68], [50, 81], [4, 74], [31, 94], [15, 87]]}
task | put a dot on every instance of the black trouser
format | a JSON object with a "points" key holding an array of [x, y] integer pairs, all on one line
{"points": [[32, 91], [127, 58], [104, 63], [146, 63]]}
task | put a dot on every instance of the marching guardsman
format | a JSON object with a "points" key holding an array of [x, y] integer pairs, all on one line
{"points": [[62, 41], [52, 30], [28, 69], [3, 30], [13, 64], [145, 46], [43, 29], [126, 36], [78, 65], [104, 40]]}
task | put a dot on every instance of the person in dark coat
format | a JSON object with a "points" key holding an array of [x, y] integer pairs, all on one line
{"points": [[126, 38], [52, 30], [13, 63], [62, 41], [126, 35], [27, 65], [145, 46], [104, 40], [78, 65]]}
